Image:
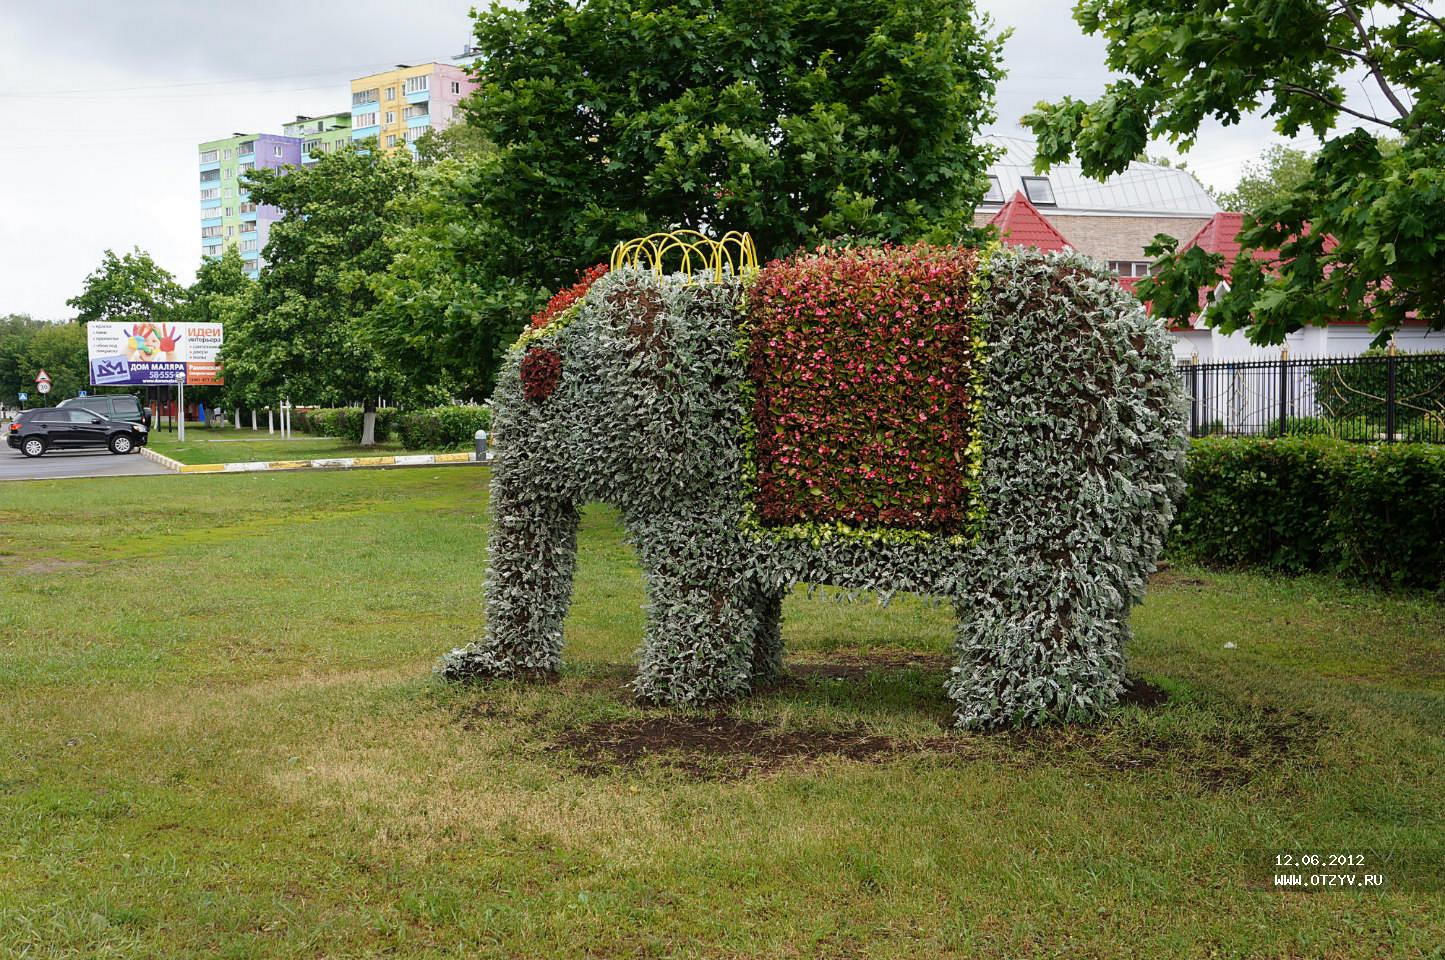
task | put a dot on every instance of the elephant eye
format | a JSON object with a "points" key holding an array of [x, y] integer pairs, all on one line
{"points": [[541, 372]]}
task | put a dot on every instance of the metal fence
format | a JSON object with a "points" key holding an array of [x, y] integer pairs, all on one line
{"points": [[1384, 398]]}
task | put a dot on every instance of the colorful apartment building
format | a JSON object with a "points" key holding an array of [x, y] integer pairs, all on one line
{"points": [[228, 217], [320, 135], [398, 106]]}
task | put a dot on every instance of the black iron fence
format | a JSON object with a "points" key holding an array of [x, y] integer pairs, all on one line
{"points": [[1375, 398]]}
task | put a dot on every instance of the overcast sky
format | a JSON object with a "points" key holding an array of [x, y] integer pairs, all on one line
{"points": [[108, 101]]}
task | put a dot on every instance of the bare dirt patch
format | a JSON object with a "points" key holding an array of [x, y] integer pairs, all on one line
{"points": [[1166, 577], [722, 747], [44, 566]]}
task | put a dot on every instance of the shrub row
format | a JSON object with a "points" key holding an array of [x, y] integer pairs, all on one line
{"points": [[441, 428], [1368, 512], [343, 422]]}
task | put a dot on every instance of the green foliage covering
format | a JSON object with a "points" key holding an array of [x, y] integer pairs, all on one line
{"points": [[1377, 190], [1082, 440], [442, 428], [1371, 513]]}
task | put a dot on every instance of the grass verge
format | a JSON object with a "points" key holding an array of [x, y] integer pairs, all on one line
{"points": [[219, 736]]}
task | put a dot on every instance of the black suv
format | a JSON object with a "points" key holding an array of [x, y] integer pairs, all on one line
{"points": [[121, 406], [52, 428]]}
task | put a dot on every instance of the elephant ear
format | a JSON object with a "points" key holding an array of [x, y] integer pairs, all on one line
{"points": [[638, 311]]}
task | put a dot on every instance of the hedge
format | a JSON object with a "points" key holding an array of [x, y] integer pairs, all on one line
{"points": [[1371, 513], [440, 428], [343, 422]]}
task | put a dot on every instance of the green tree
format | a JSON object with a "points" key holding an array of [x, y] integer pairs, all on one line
{"points": [[1361, 237], [301, 338], [28, 346], [613, 118], [126, 289], [1279, 172], [220, 292]]}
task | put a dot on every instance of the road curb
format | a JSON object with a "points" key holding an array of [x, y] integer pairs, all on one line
{"points": [[325, 463]]}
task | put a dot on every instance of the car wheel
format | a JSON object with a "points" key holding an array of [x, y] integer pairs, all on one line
{"points": [[121, 443], [32, 447]]}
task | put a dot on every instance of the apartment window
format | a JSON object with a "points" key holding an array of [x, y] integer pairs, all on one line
{"points": [[995, 191], [312, 146], [246, 146], [231, 230], [226, 155], [414, 133], [276, 150], [417, 84], [391, 139], [363, 96], [366, 120], [246, 167], [1039, 191], [210, 213], [228, 192], [456, 86], [210, 156], [213, 193], [391, 116], [1130, 268], [247, 208], [211, 231], [420, 110], [391, 93], [211, 176], [248, 244]]}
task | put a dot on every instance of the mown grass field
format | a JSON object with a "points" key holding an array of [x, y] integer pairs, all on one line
{"points": [[220, 737], [230, 445]]}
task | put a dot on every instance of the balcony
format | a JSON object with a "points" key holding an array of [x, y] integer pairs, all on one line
{"points": [[212, 165], [422, 121], [418, 96]]}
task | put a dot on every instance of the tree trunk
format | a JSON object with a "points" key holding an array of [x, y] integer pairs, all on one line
{"points": [[368, 423]]}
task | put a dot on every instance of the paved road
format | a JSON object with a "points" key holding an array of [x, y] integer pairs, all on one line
{"points": [[58, 464]]}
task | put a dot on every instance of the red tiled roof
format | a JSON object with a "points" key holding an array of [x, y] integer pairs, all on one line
{"points": [[1021, 225]]}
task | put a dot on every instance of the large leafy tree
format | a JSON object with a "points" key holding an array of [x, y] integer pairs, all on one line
{"points": [[28, 346], [439, 313], [794, 121], [126, 289], [1361, 237], [302, 338]]}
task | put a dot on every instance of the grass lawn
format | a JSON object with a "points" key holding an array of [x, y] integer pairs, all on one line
{"points": [[219, 737], [237, 446]]}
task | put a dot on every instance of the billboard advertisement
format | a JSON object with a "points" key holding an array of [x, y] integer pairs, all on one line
{"points": [[124, 354]]}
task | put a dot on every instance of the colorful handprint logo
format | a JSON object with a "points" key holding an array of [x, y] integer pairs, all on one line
{"points": [[152, 342]]}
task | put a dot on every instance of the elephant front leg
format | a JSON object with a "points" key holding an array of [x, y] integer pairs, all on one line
{"points": [[767, 664], [700, 636], [532, 554], [1038, 644]]}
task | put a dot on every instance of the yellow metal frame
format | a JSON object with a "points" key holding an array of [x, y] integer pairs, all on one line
{"points": [[698, 255]]}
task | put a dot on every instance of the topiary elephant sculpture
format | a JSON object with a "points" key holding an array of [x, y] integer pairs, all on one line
{"points": [[999, 428]]}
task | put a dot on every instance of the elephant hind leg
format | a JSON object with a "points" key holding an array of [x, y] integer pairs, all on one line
{"points": [[767, 637]]}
